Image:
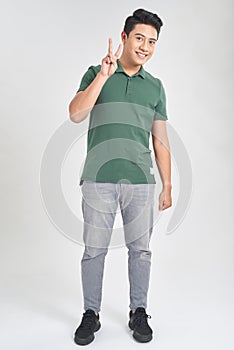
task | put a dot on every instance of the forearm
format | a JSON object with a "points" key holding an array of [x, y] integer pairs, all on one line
{"points": [[163, 161], [84, 101]]}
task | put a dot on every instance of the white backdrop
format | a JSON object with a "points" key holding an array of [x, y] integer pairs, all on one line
{"points": [[46, 46]]}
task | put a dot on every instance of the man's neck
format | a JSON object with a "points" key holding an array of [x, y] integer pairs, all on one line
{"points": [[128, 68]]}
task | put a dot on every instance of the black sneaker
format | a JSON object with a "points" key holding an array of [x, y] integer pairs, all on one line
{"points": [[85, 332], [139, 325]]}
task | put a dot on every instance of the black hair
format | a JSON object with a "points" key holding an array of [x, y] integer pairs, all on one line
{"points": [[142, 16]]}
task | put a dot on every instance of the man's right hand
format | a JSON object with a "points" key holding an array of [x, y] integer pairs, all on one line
{"points": [[109, 64], [84, 101]]}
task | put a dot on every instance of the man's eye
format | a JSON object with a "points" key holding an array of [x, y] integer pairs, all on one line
{"points": [[152, 42], [139, 38]]}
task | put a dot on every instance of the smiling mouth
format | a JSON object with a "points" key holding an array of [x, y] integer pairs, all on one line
{"points": [[141, 55]]}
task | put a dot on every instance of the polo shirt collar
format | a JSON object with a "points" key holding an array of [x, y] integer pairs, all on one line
{"points": [[120, 69]]}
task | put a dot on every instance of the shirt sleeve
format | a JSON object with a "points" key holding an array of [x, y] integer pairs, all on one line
{"points": [[161, 109], [87, 79]]}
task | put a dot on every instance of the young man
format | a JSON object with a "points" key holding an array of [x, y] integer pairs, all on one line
{"points": [[126, 104]]}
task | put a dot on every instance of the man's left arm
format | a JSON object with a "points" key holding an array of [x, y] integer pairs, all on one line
{"points": [[163, 160]]}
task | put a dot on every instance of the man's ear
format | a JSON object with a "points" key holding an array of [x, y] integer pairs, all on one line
{"points": [[123, 37]]}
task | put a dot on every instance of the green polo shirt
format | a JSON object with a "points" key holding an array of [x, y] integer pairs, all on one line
{"points": [[119, 127]]}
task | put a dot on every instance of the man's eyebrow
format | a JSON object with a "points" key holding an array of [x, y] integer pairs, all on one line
{"points": [[145, 36]]}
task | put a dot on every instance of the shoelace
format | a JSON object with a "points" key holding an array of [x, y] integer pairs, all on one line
{"points": [[141, 320], [87, 321]]}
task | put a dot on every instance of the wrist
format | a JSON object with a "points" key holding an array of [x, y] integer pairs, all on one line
{"points": [[102, 76], [167, 186]]}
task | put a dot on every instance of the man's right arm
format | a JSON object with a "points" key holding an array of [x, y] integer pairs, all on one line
{"points": [[83, 102]]}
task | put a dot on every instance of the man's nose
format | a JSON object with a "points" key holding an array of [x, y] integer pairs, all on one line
{"points": [[144, 45]]}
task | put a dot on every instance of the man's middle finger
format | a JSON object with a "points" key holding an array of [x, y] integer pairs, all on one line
{"points": [[110, 47], [112, 57], [118, 51]]}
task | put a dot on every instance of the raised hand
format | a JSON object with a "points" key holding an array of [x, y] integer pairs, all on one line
{"points": [[109, 64]]}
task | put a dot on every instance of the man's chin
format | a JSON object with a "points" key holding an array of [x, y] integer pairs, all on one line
{"points": [[138, 62]]}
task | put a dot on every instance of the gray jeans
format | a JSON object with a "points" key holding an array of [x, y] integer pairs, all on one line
{"points": [[99, 207]]}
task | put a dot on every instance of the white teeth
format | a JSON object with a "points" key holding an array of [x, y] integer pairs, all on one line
{"points": [[141, 55]]}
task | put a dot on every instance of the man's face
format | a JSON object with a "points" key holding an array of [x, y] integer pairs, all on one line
{"points": [[140, 44]]}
